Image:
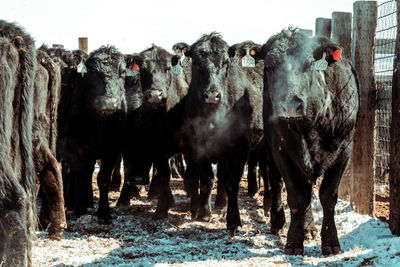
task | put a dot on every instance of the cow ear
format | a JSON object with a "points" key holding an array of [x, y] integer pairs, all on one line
{"points": [[332, 51], [174, 60], [138, 59], [256, 52], [232, 50]]}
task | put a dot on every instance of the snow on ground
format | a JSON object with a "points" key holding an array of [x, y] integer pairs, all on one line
{"points": [[134, 239]]}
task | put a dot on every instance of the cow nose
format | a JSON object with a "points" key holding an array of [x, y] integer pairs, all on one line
{"points": [[154, 96], [213, 96], [291, 109]]}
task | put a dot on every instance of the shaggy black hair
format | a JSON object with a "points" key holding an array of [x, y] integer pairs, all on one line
{"points": [[17, 184]]}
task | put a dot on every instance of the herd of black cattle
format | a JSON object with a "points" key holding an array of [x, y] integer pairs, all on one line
{"points": [[290, 105]]}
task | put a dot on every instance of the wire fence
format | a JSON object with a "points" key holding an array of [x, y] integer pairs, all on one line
{"points": [[384, 56]]}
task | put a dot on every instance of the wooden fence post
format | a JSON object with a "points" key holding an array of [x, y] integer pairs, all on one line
{"points": [[323, 27], [363, 52], [306, 32], [83, 44], [394, 180], [341, 34], [341, 31]]}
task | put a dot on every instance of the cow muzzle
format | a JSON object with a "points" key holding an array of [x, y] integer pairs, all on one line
{"points": [[293, 109], [211, 97], [154, 96], [107, 105]]}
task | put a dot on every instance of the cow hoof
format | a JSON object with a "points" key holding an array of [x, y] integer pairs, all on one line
{"points": [[222, 211], [55, 236], [293, 251], [331, 250], [203, 215], [232, 230], [105, 221], [204, 218], [152, 194], [276, 231], [43, 226], [123, 202], [310, 234]]}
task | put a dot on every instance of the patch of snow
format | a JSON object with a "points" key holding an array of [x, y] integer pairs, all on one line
{"points": [[134, 239]]}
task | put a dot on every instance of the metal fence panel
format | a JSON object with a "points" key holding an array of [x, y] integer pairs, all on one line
{"points": [[384, 55]]}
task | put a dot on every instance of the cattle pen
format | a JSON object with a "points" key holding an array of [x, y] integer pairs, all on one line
{"points": [[208, 156]]}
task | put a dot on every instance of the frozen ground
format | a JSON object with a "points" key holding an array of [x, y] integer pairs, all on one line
{"points": [[134, 239]]}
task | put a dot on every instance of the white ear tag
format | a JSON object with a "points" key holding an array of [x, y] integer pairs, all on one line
{"points": [[81, 68], [321, 64], [177, 69], [248, 61]]}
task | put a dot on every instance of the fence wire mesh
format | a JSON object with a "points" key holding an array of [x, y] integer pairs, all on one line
{"points": [[384, 55]]}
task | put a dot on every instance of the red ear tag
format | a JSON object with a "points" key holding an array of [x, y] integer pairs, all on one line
{"points": [[135, 67], [240, 59], [337, 54]]}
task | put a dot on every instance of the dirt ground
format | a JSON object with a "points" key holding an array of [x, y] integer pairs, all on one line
{"points": [[382, 204]]}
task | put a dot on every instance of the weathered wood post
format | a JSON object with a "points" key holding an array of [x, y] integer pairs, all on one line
{"points": [[394, 178], [341, 31], [341, 34], [323, 27], [306, 32], [363, 52], [83, 44]]}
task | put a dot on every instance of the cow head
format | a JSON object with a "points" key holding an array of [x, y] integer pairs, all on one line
{"points": [[210, 68], [133, 88], [105, 80], [245, 53], [294, 75], [155, 75]]}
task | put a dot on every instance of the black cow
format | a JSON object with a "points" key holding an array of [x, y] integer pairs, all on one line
{"points": [[73, 68], [96, 126], [46, 98], [220, 125], [164, 82], [242, 54], [17, 180], [311, 102]]}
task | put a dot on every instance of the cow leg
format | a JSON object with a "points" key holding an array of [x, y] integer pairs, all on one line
{"points": [[116, 176], [299, 198], [180, 165], [165, 199], [154, 187], [252, 186], [51, 182], [192, 185], [277, 209], [267, 199], [44, 216], [87, 184], [221, 197], [134, 167], [103, 181], [14, 236], [204, 169], [328, 194], [173, 162], [233, 167]]}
